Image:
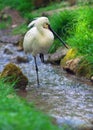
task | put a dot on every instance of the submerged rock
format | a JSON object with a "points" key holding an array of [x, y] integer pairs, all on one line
{"points": [[13, 74], [8, 51], [22, 59], [19, 59]]}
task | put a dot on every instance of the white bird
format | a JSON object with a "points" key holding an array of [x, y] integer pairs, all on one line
{"points": [[39, 39]]}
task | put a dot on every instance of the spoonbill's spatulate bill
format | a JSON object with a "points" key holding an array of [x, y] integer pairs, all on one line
{"points": [[38, 39], [58, 37]]}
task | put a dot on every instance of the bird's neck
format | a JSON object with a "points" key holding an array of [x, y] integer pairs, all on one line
{"points": [[41, 30]]}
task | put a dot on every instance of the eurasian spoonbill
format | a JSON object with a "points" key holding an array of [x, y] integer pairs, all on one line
{"points": [[39, 39]]}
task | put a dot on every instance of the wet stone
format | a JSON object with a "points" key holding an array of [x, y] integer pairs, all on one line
{"points": [[10, 39], [71, 65], [57, 56], [19, 48], [20, 59], [8, 51], [13, 75]]}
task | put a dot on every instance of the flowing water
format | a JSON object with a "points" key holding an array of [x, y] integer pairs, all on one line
{"points": [[61, 95]]}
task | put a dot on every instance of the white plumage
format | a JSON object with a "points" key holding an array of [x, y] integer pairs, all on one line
{"points": [[39, 38]]}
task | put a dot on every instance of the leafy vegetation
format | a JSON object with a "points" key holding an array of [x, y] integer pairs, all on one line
{"points": [[82, 35], [76, 28], [15, 113], [5, 23], [23, 6], [21, 29], [51, 6], [63, 23]]}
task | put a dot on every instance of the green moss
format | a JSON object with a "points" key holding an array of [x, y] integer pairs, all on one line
{"points": [[83, 69], [70, 55], [12, 73]]}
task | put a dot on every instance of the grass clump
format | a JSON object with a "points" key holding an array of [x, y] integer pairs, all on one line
{"points": [[76, 28], [84, 69], [5, 23], [63, 23], [21, 29], [82, 35], [17, 114]]}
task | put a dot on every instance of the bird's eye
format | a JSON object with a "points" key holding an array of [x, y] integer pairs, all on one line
{"points": [[46, 25]]}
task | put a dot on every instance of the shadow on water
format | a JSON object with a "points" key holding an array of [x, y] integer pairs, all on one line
{"points": [[60, 95]]}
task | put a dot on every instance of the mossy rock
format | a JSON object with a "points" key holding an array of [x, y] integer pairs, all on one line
{"points": [[83, 68], [13, 74], [71, 54]]}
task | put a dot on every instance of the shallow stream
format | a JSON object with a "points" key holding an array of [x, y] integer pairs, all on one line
{"points": [[61, 95]]}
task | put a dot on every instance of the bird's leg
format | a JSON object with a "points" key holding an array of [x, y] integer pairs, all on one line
{"points": [[36, 71], [42, 58]]}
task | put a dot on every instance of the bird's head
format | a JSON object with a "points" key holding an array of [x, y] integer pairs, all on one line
{"points": [[44, 22], [40, 22]]}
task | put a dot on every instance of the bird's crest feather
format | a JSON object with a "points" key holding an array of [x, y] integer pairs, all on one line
{"points": [[32, 23]]}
